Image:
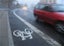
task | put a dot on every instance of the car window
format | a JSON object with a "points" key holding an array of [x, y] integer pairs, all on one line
{"points": [[48, 8], [58, 8], [41, 6], [37, 6]]}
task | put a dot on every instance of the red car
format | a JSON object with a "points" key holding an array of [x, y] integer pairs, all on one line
{"points": [[52, 14]]}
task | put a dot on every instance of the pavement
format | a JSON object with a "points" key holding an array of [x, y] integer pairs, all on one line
{"points": [[5, 35], [3, 5]]}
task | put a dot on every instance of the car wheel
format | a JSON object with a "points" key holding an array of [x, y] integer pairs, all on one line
{"points": [[60, 27]]}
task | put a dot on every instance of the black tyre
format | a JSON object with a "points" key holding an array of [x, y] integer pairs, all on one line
{"points": [[60, 27]]}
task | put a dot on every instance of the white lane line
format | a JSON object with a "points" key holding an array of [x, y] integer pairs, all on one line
{"points": [[48, 39]]}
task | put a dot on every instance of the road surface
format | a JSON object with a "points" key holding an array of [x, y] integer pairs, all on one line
{"points": [[17, 23]]}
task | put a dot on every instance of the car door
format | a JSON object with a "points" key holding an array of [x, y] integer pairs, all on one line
{"points": [[47, 14], [37, 11], [40, 12]]}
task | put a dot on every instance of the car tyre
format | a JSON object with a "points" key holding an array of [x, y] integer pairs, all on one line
{"points": [[59, 27]]}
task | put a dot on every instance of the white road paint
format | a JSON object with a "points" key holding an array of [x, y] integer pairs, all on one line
{"points": [[27, 33], [44, 36]]}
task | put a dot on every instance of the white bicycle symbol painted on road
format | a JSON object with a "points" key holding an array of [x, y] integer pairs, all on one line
{"points": [[27, 33]]}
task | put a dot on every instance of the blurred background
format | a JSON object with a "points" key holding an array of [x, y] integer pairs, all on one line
{"points": [[31, 3], [28, 3]]}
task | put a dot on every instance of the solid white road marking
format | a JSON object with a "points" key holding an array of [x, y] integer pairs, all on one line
{"points": [[40, 33]]}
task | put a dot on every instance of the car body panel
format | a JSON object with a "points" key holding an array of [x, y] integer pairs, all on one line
{"points": [[49, 17]]}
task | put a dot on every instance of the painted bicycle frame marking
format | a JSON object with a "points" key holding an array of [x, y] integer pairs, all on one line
{"points": [[27, 33]]}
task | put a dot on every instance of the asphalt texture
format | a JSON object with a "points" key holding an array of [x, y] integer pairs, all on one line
{"points": [[44, 27], [16, 24]]}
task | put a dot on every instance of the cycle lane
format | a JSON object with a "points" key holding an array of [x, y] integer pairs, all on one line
{"points": [[16, 24]]}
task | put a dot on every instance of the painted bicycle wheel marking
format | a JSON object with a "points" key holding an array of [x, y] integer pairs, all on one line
{"points": [[27, 33]]}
